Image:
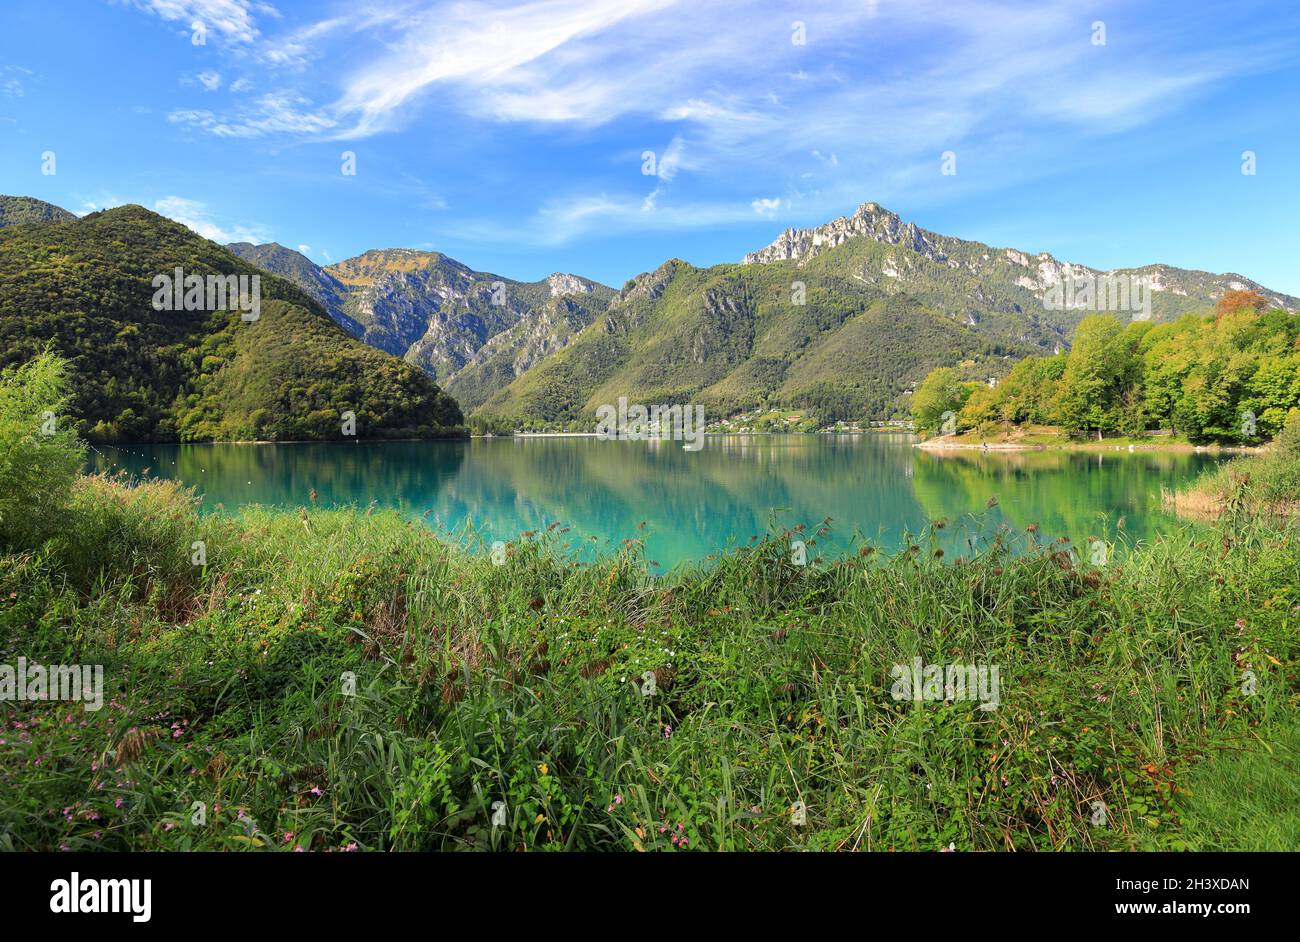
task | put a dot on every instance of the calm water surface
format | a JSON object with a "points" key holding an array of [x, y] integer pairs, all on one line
{"points": [[692, 503]]}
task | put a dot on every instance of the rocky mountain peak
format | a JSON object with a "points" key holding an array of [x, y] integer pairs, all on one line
{"points": [[650, 285], [561, 283], [870, 219]]}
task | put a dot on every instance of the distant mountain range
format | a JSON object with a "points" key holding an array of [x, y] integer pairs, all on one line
{"points": [[842, 320], [474, 332], [16, 210]]}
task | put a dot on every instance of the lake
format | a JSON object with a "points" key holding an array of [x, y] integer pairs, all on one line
{"points": [[692, 503]]}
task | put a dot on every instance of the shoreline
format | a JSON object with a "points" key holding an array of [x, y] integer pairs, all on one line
{"points": [[935, 445]]}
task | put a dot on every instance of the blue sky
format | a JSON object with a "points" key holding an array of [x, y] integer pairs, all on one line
{"points": [[511, 135]]}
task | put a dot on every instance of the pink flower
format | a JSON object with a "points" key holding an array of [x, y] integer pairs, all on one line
{"points": [[288, 836]]}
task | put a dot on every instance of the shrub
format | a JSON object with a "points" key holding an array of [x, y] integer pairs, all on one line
{"points": [[1288, 440], [40, 455]]}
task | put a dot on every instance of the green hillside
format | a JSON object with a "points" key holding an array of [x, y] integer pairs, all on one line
{"points": [[730, 338], [84, 288]]}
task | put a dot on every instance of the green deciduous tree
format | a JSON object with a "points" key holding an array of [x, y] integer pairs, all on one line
{"points": [[942, 391], [40, 455]]}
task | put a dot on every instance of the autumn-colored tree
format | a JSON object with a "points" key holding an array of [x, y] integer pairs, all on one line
{"points": [[1236, 300]]}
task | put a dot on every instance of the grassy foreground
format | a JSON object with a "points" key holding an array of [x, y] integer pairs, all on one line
{"points": [[523, 684]]}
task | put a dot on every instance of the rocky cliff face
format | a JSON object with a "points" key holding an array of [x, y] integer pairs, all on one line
{"points": [[561, 284]]}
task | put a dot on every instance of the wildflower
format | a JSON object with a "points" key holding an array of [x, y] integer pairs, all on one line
{"points": [[543, 768], [950, 849], [668, 731], [288, 836]]}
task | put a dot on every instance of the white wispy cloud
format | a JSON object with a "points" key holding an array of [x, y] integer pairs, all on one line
{"points": [[232, 20], [275, 113], [11, 80], [211, 81], [196, 215]]}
